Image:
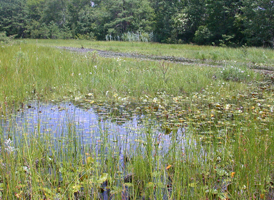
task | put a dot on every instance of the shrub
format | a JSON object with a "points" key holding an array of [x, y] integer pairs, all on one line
{"points": [[4, 38], [87, 36], [202, 35]]}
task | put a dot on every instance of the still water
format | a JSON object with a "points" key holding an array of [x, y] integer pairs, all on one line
{"points": [[61, 120]]}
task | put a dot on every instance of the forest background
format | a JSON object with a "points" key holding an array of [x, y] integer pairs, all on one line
{"points": [[206, 22]]}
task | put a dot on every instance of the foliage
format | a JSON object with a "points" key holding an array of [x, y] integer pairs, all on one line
{"points": [[13, 17], [203, 35], [258, 22], [223, 22], [4, 38]]}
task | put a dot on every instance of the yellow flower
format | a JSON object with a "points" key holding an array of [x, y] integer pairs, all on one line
{"points": [[89, 160], [232, 174], [169, 166]]}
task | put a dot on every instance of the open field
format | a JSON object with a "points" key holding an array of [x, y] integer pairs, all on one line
{"points": [[81, 126]]}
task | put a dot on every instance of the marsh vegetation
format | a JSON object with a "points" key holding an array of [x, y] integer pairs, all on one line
{"points": [[81, 126]]}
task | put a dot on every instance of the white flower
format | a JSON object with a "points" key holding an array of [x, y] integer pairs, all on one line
{"points": [[8, 142], [8, 146], [95, 66]]}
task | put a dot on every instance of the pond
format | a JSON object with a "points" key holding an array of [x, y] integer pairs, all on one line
{"points": [[89, 126], [94, 130]]}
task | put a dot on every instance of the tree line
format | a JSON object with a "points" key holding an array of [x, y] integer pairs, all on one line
{"points": [[205, 22]]}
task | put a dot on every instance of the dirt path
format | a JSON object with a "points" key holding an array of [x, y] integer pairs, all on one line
{"points": [[111, 54], [184, 61]]}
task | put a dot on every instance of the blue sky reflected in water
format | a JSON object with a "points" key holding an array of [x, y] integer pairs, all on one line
{"points": [[59, 120]]}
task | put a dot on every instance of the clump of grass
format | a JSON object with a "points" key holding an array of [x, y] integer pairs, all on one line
{"points": [[239, 74], [132, 37]]}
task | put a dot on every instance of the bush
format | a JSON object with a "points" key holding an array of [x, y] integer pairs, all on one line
{"points": [[88, 36], [4, 38], [202, 35]]}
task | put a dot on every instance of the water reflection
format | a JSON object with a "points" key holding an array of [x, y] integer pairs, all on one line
{"points": [[60, 120]]}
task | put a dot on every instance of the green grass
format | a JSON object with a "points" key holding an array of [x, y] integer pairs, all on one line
{"points": [[249, 56], [34, 71], [227, 113]]}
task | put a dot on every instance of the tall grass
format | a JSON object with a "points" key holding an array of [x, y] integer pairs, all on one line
{"points": [[33, 71], [132, 37]]}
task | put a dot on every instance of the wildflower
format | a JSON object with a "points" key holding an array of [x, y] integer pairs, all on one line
{"points": [[233, 174], [175, 99], [115, 95], [169, 166], [89, 160], [8, 146], [79, 74], [95, 66], [227, 106]]}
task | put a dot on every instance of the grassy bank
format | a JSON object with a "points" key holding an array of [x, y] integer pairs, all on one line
{"points": [[226, 114]]}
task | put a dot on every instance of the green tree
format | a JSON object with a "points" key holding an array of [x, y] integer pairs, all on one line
{"points": [[165, 12], [221, 20], [258, 18], [13, 15], [56, 11], [187, 21], [127, 15], [79, 15]]}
